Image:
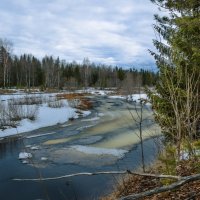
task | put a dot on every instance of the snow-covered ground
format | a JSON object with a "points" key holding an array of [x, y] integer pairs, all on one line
{"points": [[47, 116], [133, 97]]}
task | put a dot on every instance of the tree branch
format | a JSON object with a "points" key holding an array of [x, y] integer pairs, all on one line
{"points": [[98, 173]]}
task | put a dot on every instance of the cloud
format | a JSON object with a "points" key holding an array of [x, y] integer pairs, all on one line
{"points": [[112, 32]]}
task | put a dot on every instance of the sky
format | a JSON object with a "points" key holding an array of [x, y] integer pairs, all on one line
{"points": [[113, 32]]}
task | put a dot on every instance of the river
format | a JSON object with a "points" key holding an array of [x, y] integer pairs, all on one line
{"points": [[105, 140]]}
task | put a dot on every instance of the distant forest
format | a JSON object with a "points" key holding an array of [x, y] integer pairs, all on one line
{"points": [[29, 72]]}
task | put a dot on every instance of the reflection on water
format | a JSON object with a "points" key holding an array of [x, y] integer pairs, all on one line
{"points": [[116, 128], [106, 143], [127, 138], [9, 146]]}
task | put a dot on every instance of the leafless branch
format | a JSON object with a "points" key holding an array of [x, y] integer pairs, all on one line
{"points": [[98, 173]]}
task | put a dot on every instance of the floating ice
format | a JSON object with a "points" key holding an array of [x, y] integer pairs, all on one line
{"points": [[86, 113], [91, 119], [84, 127], [34, 148], [65, 125], [24, 155], [39, 135], [25, 161], [44, 158], [100, 151], [101, 114]]}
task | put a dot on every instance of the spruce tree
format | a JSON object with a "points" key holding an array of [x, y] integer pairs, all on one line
{"points": [[176, 97]]}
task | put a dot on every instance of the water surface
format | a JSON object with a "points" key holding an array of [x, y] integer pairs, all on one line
{"points": [[105, 140]]}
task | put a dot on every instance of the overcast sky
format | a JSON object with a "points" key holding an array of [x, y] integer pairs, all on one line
{"points": [[116, 32]]}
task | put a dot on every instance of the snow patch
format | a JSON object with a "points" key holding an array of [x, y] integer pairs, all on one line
{"points": [[96, 91], [137, 97], [133, 97], [46, 116], [117, 97], [185, 155]]}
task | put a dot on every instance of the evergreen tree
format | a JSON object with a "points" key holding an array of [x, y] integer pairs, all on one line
{"points": [[175, 100]]}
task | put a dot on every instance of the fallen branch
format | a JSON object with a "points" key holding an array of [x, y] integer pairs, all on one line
{"points": [[97, 173], [182, 181]]}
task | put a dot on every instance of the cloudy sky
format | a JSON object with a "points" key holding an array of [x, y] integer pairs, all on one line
{"points": [[116, 32]]}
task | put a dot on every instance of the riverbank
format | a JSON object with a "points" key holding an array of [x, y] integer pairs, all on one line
{"points": [[23, 112], [183, 187]]}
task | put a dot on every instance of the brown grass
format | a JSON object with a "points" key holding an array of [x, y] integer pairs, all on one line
{"points": [[133, 184], [71, 96], [85, 102], [4, 91]]}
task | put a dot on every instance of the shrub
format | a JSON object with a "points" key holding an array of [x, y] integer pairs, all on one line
{"points": [[54, 103], [12, 112]]}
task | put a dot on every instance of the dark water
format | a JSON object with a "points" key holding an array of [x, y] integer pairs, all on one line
{"points": [[81, 187]]}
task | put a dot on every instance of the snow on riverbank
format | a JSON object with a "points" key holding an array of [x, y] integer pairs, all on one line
{"points": [[133, 97], [46, 116]]}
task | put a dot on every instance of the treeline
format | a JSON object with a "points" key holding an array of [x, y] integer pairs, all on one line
{"points": [[29, 71]]}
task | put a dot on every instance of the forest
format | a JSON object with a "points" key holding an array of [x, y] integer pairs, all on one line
{"points": [[49, 72]]}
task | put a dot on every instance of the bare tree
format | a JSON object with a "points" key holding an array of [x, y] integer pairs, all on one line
{"points": [[184, 100], [5, 51], [86, 64]]}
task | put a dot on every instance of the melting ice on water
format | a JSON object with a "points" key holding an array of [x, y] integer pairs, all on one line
{"points": [[100, 151]]}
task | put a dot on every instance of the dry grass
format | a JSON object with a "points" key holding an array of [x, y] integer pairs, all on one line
{"points": [[84, 102], [5, 91], [133, 184], [71, 96]]}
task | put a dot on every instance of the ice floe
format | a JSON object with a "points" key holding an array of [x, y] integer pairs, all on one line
{"points": [[40, 135], [99, 151], [44, 158], [34, 148], [24, 155], [91, 119], [84, 127]]}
